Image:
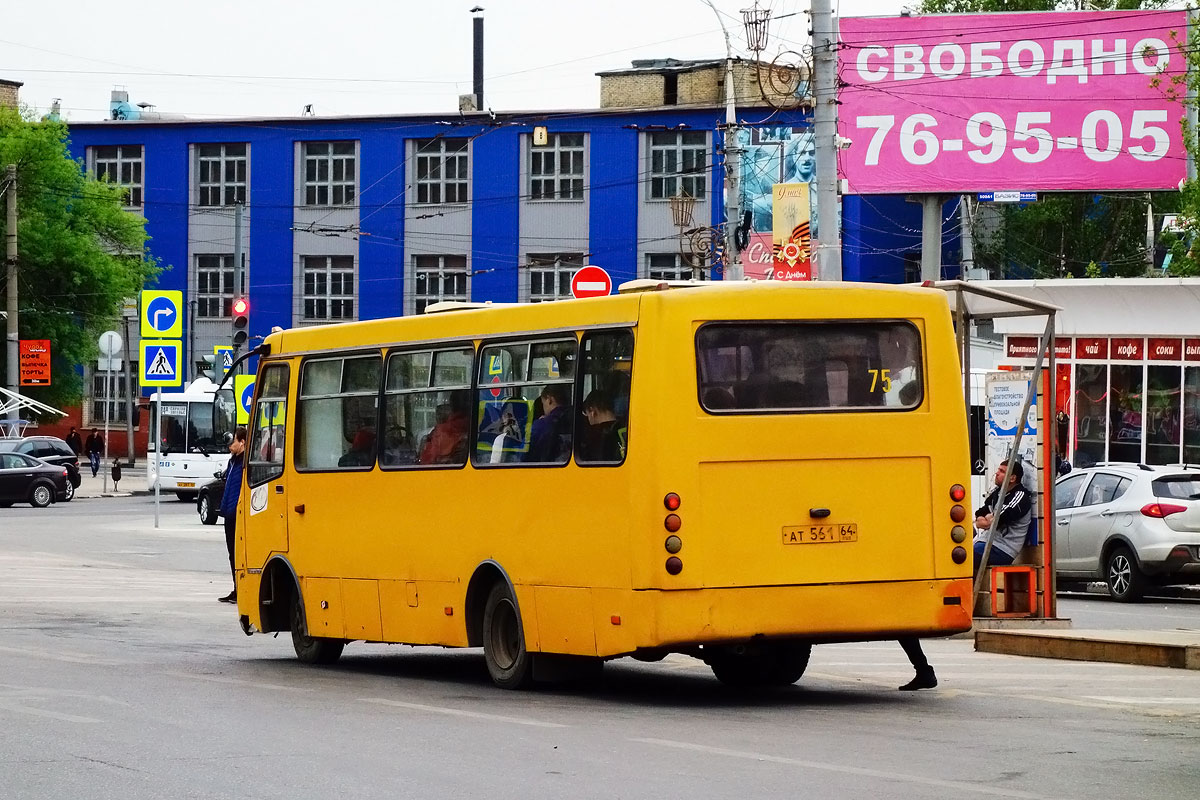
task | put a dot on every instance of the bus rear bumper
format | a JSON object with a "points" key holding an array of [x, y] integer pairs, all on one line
{"points": [[683, 619]]}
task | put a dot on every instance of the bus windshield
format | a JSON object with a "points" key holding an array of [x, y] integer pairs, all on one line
{"points": [[187, 427]]}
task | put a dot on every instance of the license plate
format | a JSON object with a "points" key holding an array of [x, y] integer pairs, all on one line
{"points": [[186, 484], [821, 534]]}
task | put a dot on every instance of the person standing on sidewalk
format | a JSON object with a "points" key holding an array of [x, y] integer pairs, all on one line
{"points": [[95, 449], [229, 501], [75, 441]]}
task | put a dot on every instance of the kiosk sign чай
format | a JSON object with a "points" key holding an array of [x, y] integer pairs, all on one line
{"points": [[1049, 101]]}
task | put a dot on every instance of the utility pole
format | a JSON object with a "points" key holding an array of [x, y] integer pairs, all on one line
{"points": [[12, 337], [828, 233], [733, 163], [129, 407], [967, 233], [239, 269]]}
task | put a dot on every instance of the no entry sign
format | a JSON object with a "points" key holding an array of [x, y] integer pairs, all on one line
{"points": [[591, 282]]}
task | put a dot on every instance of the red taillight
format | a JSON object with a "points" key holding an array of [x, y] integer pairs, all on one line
{"points": [[1160, 510], [673, 522], [671, 501], [957, 493]]}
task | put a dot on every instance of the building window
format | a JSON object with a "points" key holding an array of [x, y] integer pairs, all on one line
{"points": [[118, 400], [215, 285], [328, 288], [439, 278], [121, 164], [329, 173], [550, 275], [673, 267], [441, 171], [222, 174], [556, 168], [678, 161]]}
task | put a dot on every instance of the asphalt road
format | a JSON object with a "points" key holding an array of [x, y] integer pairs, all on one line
{"points": [[124, 678]]}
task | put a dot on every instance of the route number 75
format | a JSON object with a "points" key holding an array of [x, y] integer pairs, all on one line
{"points": [[882, 378]]}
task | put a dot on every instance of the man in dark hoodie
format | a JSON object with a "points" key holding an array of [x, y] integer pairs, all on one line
{"points": [[229, 501]]}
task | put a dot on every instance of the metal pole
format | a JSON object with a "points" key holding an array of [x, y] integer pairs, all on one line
{"points": [[239, 269], [733, 162], [107, 416], [1050, 426], [828, 235], [1014, 451], [157, 451], [129, 454], [931, 237], [12, 336], [967, 234]]}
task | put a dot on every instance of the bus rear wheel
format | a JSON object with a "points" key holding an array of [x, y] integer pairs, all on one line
{"points": [[311, 649], [778, 665], [508, 662]]}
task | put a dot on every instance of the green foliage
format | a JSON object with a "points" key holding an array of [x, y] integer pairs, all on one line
{"points": [[80, 253], [1072, 235]]}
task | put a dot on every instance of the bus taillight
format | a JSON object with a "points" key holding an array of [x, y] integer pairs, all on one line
{"points": [[959, 555], [673, 544], [957, 493], [958, 513], [673, 522], [958, 533], [671, 501], [674, 565]]}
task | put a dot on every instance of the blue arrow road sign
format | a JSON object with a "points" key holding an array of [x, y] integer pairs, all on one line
{"points": [[162, 317]]}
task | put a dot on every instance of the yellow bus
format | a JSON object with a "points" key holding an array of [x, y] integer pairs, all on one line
{"points": [[732, 471]]}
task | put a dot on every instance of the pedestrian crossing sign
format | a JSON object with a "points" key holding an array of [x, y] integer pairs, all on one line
{"points": [[224, 357], [161, 363]]}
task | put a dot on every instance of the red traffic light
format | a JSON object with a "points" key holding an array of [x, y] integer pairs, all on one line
{"points": [[241, 305]]}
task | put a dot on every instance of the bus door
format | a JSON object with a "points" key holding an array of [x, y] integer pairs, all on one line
{"points": [[263, 505]]}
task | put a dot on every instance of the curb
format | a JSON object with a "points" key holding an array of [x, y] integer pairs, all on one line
{"points": [[1142, 648]]}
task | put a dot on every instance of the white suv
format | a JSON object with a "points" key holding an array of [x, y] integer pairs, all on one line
{"points": [[1129, 525]]}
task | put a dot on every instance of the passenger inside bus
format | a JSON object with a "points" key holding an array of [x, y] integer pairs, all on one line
{"points": [[362, 449], [603, 438], [447, 442], [550, 439]]}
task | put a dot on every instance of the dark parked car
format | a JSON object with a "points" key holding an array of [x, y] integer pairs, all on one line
{"points": [[24, 479], [50, 449], [208, 500]]}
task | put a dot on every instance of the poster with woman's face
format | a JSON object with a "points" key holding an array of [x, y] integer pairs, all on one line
{"points": [[773, 155]]}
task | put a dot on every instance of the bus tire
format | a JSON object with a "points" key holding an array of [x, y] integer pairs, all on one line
{"points": [[508, 661], [311, 649]]}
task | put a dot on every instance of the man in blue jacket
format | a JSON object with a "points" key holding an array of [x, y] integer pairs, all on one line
{"points": [[229, 501]]}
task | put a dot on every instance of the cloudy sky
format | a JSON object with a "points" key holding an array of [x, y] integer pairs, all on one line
{"points": [[272, 57]]}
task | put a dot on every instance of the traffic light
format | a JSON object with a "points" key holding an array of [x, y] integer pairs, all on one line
{"points": [[241, 321]]}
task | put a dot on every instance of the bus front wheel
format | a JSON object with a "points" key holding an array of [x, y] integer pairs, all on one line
{"points": [[311, 649], [508, 662]]}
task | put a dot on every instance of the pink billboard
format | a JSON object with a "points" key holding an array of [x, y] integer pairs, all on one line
{"points": [[1053, 101]]}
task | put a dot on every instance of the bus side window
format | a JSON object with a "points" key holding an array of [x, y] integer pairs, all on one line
{"points": [[268, 437], [523, 411], [605, 382], [338, 412]]}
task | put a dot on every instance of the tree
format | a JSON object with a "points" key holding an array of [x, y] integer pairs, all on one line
{"points": [[80, 252], [1067, 234]]}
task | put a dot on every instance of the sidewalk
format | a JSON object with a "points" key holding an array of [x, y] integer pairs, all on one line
{"points": [[133, 481]]}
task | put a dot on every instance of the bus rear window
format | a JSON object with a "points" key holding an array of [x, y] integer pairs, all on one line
{"points": [[779, 367]]}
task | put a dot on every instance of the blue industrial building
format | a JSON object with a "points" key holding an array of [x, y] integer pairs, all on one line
{"points": [[366, 217]]}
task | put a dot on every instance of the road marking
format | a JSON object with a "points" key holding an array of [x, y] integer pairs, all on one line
{"points": [[1164, 701], [458, 712], [237, 682], [58, 655], [885, 775], [38, 712]]}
